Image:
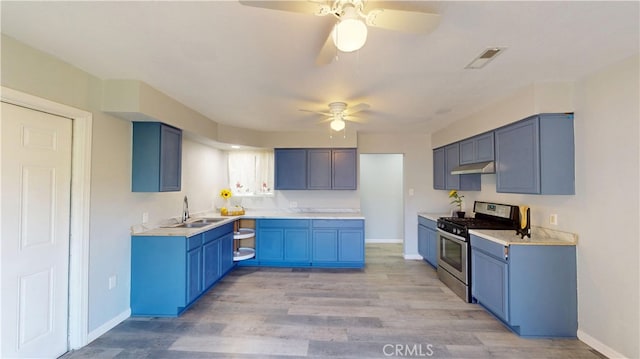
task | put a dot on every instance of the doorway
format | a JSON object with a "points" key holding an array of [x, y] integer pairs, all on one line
{"points": [[381, 197]]}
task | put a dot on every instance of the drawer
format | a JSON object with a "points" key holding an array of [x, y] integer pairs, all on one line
{"points": [[338, 223], [427, 223], [217, 232], [194, 242], [283, 223], [492, 248]]}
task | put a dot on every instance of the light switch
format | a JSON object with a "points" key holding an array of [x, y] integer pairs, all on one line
{"points": [[411, 192]]}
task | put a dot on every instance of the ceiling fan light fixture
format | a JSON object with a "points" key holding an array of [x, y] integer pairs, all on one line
{"points": [[350, 33], [337, 125]]}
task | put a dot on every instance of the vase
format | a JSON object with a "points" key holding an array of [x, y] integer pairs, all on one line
{"points": [[460, 214]]}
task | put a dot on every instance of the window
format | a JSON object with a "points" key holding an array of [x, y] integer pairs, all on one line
{"points": [[251, 172]]}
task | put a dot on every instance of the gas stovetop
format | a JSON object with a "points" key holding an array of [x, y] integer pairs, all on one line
{"points": [[488, 216]]}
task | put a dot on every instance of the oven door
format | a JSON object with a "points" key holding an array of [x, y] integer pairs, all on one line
{"points": [[453, 255]]}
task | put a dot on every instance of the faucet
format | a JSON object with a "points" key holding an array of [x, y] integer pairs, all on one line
{"points": [[185, 209]]}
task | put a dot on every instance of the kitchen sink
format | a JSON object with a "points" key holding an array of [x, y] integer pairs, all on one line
{"points": [[210, 220], [196, 224], [200, 222]]}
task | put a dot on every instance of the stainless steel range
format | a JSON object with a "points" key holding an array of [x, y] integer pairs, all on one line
{"points": [[454, 257]]}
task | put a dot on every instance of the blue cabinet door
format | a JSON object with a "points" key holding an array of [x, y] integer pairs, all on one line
{"points": [[439, 169], [518, 157], [211, 262], [297, 245], [536, 156], [423, 248], [477, 149], [170, 158], [452, 160], [319, 169], [351, 245], [156, 157], [194, 274], [432, 247], [290, 169], [428, 245], [324, 245], [344, 169], [270, 244], [226, 252], [490, 283], [468, 182]]}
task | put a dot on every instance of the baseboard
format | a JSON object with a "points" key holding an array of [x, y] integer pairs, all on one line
{"points": [[96, 333], [598, 345], [413, 257], [382, 240]]}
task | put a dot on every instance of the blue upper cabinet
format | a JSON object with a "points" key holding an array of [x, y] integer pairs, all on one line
{"points": [[157, 157], [315, 169], [319, 169], [438, 169], [344, 168], [290, 168], [536, 156], [477, 149], [446, 159]]}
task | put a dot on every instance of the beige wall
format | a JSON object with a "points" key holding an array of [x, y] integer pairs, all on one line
{"points": [[114, 208], [604, 212]]}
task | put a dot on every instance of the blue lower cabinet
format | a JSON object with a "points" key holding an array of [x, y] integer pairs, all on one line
{"points": [[194, 274], [297, 246], [324, 245], [212, 262], [169, 273], [270, 244], [338, 243], [428, 240], [309, 243], [533, 289]]}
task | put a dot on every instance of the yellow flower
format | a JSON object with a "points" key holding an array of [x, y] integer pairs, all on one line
{"points": [[225, 193], [457, 200]]}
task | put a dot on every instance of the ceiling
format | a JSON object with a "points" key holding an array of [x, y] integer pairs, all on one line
{"points": [[255, 68]]}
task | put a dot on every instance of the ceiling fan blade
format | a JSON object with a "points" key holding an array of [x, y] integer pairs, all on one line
{"points": [[355, 119], [327, 52], [357, 108], [304, 7], [318, 112], [399, 20]]}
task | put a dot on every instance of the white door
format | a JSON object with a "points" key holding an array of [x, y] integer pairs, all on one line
{"points": [[36, 184]]}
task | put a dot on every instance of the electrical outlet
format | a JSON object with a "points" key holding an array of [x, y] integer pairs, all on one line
{"points": [[553, 219], [145, 217], [293, 204], [113, 281]]}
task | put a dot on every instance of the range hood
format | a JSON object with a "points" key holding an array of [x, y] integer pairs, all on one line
{"points": [[480, 167]]}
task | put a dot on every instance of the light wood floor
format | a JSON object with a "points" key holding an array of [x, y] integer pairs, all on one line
{"points": [[392, 308]]}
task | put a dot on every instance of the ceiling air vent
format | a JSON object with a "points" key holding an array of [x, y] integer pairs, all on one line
{"points": [[485, 57]]}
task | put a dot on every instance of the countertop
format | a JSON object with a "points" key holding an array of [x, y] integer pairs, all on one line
{"points": [[188, 232], [433, 216], [539, 236]]}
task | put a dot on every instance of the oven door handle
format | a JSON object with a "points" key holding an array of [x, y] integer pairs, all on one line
{"points": [[452, 236]]}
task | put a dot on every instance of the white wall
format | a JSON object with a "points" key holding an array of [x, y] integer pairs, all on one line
{"points": [[604, 212]]}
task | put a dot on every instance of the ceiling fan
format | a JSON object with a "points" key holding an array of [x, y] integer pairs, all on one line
{"points": [[339, 113], [350, 31]]}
